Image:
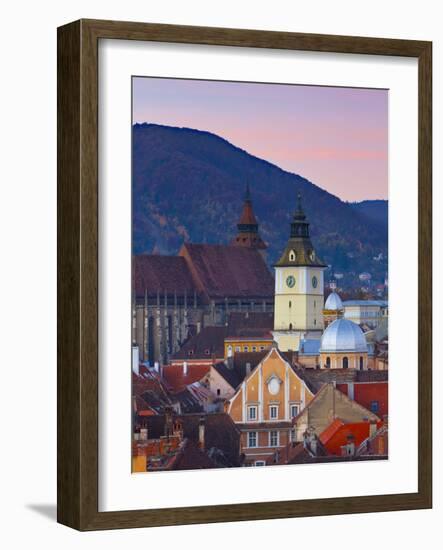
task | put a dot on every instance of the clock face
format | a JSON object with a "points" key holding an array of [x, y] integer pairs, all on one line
{"points": [[314, 282], [290, 281]]}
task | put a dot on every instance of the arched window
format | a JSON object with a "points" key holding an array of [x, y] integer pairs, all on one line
{"points": [[292, 256], [290, 303], [361, 363], [290, 326], [345, 362], [328, 362]]}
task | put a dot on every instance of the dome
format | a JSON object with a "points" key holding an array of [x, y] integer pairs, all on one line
{"points": [[341, 336], [334, 302]]}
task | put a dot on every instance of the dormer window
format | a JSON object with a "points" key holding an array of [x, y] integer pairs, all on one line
{"points": [[312, 255], [292, 255]]}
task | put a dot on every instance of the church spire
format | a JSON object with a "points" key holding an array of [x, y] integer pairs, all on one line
{"points": [[299, 224], [248, 235]]}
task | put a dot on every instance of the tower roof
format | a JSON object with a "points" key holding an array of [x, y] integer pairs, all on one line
{"points": [[248, 235], [299, 250]]}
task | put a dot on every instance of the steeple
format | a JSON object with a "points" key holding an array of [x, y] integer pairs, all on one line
{"points": [[248, 235], [299, 250]]}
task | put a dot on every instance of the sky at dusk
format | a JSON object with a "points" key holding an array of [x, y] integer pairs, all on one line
{"points": [[335, 137]]}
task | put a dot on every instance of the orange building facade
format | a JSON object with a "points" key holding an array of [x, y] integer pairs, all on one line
{"points": [[263, 408]]}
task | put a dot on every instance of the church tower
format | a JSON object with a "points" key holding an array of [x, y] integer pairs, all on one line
{"points": [[248, 235], [299, 300]]}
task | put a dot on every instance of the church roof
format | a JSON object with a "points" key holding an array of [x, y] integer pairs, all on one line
{"points": [[155, 273], [229, 271], [343, 335]]}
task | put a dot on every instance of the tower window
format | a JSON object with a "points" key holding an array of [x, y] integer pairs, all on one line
{"points": [[292, 256], [345, 362], [361, 363], [290, 303], [328, 362], [290, 326]]}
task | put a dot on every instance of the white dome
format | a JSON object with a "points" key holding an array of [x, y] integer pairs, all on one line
{"points": [[334, 302], [343, 335]]}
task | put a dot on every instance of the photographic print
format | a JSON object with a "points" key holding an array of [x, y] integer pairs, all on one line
{"points": [[260, 274]]}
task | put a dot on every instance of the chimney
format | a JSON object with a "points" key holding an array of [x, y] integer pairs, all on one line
{"points": [[143, 434], [168, 421], [135, 360], [157, 366], [248, 369], [201, 433], [372, 428], [185, 368], [199, 327]]}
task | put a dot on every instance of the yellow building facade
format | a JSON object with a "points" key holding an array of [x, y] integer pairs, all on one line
{"points": [[263, 408]]}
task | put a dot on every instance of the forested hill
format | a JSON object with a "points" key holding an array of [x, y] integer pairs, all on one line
{"points": [[189, 185]]}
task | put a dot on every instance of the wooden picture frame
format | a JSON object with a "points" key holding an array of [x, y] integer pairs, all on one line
{"points": [[78, 274]]}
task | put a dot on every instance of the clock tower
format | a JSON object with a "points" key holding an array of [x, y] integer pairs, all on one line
{"points": [[299, 299]]}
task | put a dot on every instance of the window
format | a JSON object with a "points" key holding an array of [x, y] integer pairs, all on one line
{"points": [[374, 406], [252, 413], [292, 256], [207, 352], [273, 412], [262, 348], [315, 322], [328, 362], [290, 326], [252, 439], [259, 463], [237, 348], [254, 348], [290, 303], [245, 348], [293, 435], [191, 352], [273, 439], [345, 362], [361, 363], [294, 411], [218, 391]]}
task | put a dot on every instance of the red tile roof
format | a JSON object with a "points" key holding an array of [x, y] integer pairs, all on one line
{"points": [[336, 435], [330, 430], [222, 271], [177, 380]]}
